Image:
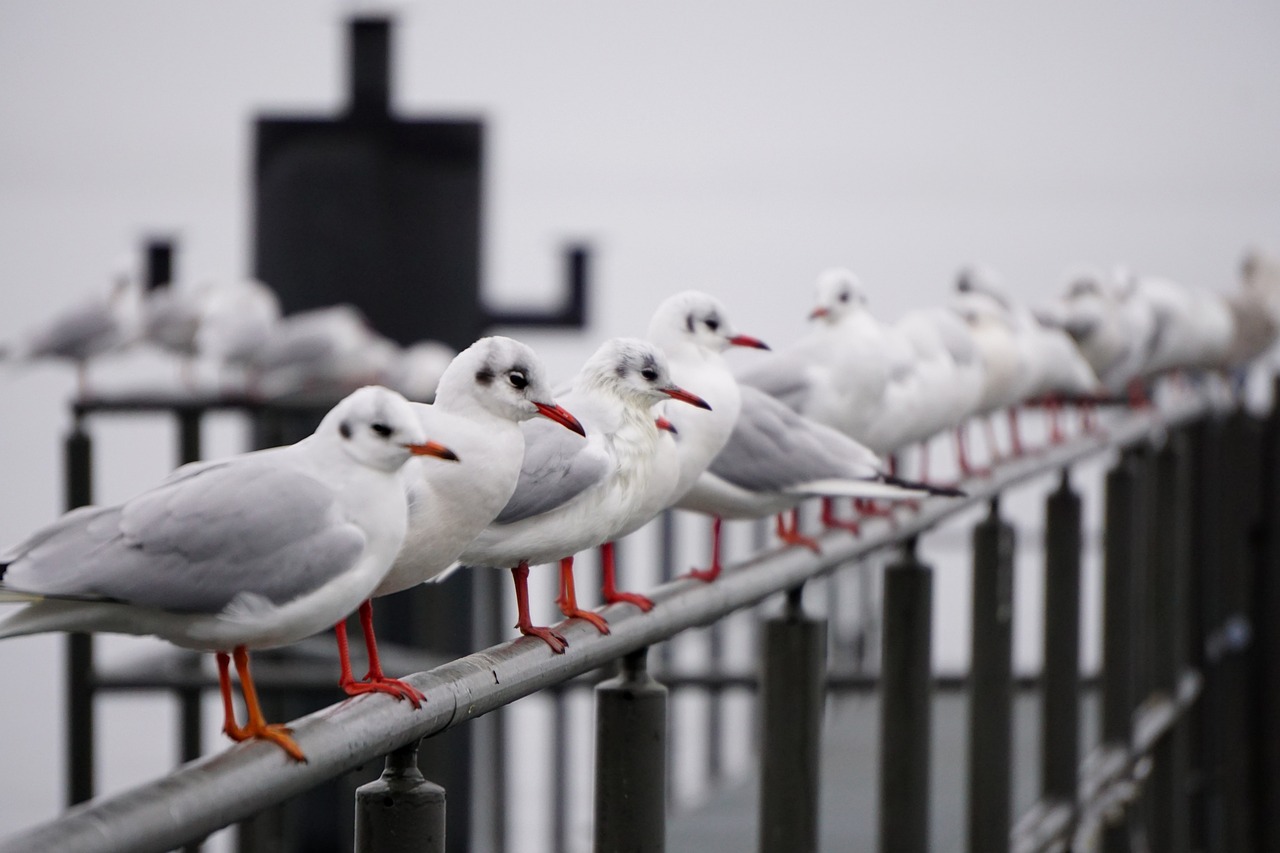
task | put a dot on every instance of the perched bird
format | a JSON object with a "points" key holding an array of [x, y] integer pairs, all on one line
{"points": [[1255, 311], [484, 395], [837, 373], [572, 494], [417, 370], [254, 551], [1194, 327], [1114, 331], [238, 319], [324, 350], [95, 325]]}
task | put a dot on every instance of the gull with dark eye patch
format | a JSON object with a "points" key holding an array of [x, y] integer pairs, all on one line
{"points": [[450, 504], [254, 551], [574, 494]]}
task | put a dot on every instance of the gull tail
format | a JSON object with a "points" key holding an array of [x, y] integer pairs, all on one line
{"points": [[926, 488], [871, 489]]}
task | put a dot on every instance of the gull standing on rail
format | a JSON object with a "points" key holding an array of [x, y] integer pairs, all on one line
{"points": [[255, 551], [573, 494], [484, 395]]}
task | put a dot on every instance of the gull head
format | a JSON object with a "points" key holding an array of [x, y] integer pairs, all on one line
{"points": [[378, 428], [503, 377], [698, 319], [635, 371], [839, 292]]}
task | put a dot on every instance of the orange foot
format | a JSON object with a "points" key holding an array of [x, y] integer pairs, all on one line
{"points": [[277, 733], [572, 611], [642, 601], [391, 686], [552, 638]]}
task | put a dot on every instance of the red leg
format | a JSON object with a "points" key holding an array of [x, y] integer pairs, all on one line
{"points": [[374, 681], [229, 725], [557, 643], [710, 574], [1015, 439], [793, 536], [610, 592], [568, 599], [257, 726], [967, 468], [1056, 435], [830, 521]]}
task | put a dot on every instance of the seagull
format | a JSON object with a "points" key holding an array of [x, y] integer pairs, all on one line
{"points": [[774, 459], [418, 369], [572, 494], [321, 350], [484, 395], [95, 325], [693, 330], [1255, 310], [837, 373], [1194, 327], [254, 551], [237, 321], [1114, 331]]}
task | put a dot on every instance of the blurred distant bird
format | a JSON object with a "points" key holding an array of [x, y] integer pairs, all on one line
{"points": [[238, 319], [325, 350], [96, 325], [1255, 310], [254, 551], [417, 370]]}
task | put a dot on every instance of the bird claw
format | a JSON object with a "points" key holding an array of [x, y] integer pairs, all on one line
{"points": [[554, 639], [594, 618], [792, 538], [704, 575], [276, 733], [642, 601], [390, 686]]}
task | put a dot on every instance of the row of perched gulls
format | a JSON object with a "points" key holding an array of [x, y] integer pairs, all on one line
{"points": [[265, 548], [237, 328]]}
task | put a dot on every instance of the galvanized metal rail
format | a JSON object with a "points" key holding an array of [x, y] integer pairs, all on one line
{"points": [[221, 789]]}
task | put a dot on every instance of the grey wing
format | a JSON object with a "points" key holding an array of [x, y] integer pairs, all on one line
{"points": [[193, 544], [558, 465], [74, 333], [773, 449], [784, 376]]}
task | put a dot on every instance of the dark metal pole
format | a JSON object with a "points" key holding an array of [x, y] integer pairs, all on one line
{"points": [[905, 705], [793, 685], [1117, 624], [78, 451], [400, 812], [1060, 721], [631, 759], [190, 712], [991, 685]]}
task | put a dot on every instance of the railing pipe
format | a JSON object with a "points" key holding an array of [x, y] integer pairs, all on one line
{"points": [[991, 685], [905, 704], [400, 812], [792, 699], [1060, 719], [631, 758]]}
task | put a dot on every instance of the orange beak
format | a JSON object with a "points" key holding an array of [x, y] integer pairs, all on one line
{"points": [[561, 416], [664, 424], [748, 341], [684, 396], [432, 448], [818, 312]]}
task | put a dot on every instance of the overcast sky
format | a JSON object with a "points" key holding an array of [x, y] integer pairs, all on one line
{"points": [[734, 147]]}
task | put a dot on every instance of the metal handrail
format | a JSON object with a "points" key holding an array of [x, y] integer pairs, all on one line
{"points": [[218, 790]]}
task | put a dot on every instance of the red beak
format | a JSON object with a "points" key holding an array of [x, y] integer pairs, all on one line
{"points": [[685, 397], [748, 341], [667, 425], [432, 448], [561, 416], [818, 312]]}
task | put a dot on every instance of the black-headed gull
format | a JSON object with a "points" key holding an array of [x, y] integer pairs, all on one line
{"points": [[237, 320], [1255, 309], [95, 325], [573, 494], [483, 396], [1115, 332], [1194, 327], [254, 551], [325, 349]]}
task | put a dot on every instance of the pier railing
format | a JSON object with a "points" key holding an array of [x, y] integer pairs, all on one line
{"points": [[1186, 683]]}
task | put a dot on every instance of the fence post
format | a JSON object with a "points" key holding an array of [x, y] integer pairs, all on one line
{"points": [[792, 697], [991, 685], [1266, 651], [190, 712], [1060, 720], [631, 757], [905, 704], [78, 450], [1119, 569], [400, 812]]}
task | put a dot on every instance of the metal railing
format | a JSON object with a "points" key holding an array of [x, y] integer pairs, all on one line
{"points": [[1184, 501]]}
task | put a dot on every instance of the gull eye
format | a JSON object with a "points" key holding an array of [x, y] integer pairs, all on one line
{"points": [[649, 374], [844, 296], [712, 323], [381, 429], [517, 379]]}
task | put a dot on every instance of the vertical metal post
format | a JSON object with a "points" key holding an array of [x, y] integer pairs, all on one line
{"points": [[1117, 624], [1060, 721], [991, 685], [793, 692], [905, 705], [400, 812], [190, 712], [1266, 639], [78, 452], [631, 759]]}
